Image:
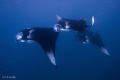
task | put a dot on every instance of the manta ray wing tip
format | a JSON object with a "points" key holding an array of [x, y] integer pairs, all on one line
{"points": [[104, 50]]}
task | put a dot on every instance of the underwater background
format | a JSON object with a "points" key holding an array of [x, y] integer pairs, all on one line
{"points": [[75, 60]]}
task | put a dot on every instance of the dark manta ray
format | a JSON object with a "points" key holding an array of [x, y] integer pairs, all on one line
{"points": [[76, 25], [46, 37], [92, 37]]}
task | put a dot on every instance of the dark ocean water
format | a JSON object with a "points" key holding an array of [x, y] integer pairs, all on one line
{"points": [[75, 61]]}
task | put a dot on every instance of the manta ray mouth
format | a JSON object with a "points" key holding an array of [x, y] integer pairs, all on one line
{"points": [[19, 36], [57, 27]]}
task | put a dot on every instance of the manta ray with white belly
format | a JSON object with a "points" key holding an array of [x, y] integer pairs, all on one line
{"points": [[46, 37]]}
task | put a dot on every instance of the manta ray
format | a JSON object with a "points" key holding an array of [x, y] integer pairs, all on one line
{"points": [[93, 38], [46, 37], [64, 24], [82, 30]]}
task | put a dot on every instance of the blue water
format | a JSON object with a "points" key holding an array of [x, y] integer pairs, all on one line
{"points": [[75, 61]]}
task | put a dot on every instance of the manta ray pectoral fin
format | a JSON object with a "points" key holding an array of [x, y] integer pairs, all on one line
{"points": [[93, 20], [58, 18], [97, 41], [104, 50], [49, 49], [51, 57]]}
